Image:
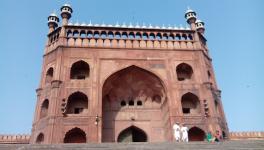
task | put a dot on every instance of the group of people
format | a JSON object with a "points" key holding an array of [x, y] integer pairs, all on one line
{"points": [[214, 138], [180, 132]]}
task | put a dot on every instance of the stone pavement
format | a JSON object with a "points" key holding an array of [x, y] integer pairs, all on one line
{"points": [[228, 145]]}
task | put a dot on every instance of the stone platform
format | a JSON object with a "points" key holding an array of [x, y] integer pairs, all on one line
{"points": [[228, 145]]}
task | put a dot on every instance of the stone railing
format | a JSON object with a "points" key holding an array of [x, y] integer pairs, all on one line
{"points": [[112, 37], [246, 135], [14, 139]]}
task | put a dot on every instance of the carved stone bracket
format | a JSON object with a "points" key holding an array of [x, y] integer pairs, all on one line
{"points": [[38, 91], [55, 83]]}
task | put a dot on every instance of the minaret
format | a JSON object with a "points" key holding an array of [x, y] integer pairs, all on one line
{"points": [[53, 21], [66, 12], [200, 26], [190, 15]]}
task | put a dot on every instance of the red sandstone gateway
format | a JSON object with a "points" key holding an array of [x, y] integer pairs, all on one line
{"points": [[125, 83]]}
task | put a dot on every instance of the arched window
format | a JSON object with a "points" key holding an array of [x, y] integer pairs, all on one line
{"points": [[145, 36], [75, 34], [77, 103], [124, 35], [83, 34], [196, 134], [103, 35], [152, 36], [80, 70], [139, 103], [96, 34], [138, 35], [75, 135], [40, 138], [190, 104], [44, 108], [123, 103], [184, 71], [131, 35], [158, 37], [110, 35], [89, 34], [132, 134], [117, 35], [156, 98], [49, 75], [131, 103]]}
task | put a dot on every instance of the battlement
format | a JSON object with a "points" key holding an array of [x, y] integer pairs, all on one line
{"points": [[246, 135], [15, 139], [122, 37]]}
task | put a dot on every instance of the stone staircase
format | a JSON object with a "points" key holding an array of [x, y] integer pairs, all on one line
{"points": [[227, 145]]}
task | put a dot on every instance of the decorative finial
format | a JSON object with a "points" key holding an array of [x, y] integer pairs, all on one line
{"points": [[124, 25], [163, 26], [143, 26], [130, 25], [90, 23], [117, 24], [137, 25]]}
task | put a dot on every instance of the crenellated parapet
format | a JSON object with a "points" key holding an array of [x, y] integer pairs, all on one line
{"points": [[126, 36], [246, 135], [121, 37], [15, 139]]}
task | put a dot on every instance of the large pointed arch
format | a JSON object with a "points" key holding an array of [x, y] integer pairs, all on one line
{"points": [[135, 68], [75, 135], [77, 103], [190, 104], [80, 70], [196, 134], [129, 88], [132, 134]]}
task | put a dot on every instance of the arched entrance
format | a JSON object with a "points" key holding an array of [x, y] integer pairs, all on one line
{"points": [[40, 138], [196, 134], [133, 96], [75, 135], [132, 134]]}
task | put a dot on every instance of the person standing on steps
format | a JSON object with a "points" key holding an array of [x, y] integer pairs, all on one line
{"points": [[184, 131], [177, 133]]}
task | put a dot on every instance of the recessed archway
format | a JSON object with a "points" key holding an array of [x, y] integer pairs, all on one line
{"points": [[80, 70], [184, 71], [40, 138], [77, 103], [44, 108], [75, 135], [190, 104], [128, 91], [196, 134], [132, 134]]}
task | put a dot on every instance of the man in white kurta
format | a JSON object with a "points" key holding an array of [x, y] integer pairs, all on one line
{"points": [[177, 134], [184, 131]]}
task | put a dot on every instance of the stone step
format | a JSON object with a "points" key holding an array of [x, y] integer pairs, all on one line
{"points": [[227, 145]]}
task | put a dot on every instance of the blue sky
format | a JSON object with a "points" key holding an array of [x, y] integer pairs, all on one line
{"points": [[233, 29]]}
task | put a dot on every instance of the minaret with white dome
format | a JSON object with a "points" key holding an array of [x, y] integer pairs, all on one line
{"points": [[66, 12], [53, 21], [190, 15], [200, 26]]}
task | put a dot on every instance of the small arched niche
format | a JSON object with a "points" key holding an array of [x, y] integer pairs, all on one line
{"points": [[77, 103], [49, 75], [190, 104], [196, 134], [184, 72], [75, 135], [80, 70], [132, 134], [44, 108], [40, 138]]}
